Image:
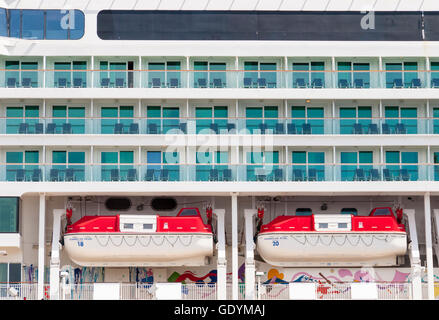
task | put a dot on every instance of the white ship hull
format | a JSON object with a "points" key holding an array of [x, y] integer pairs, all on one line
{"points": [[139, 249], [331, 249]]}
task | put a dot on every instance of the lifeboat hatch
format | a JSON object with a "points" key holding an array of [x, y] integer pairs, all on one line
{"points": [[138, 224], [333, 222]]}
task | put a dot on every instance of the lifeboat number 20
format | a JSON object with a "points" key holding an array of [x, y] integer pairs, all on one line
{"points": [[275, 243]]}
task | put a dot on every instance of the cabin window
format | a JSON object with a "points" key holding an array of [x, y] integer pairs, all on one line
{"points": [[352, 211], [323, 225], [163, 204], [382, 212], [128, 226], [120, 204], [9, 212], [343, 225]]}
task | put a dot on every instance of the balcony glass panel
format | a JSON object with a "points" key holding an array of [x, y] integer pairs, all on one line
{"points": [[393, 75], [301, 77], [156, 77]]}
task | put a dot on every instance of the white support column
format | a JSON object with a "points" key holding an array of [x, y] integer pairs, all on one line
{"points": [[139, 67], [380, 73], [41, 245], [250, 268], [415, 260], [221, 252], [44, 72], [93, 73], [428, 246], [234, 246], [333, 117], [54, 258]]}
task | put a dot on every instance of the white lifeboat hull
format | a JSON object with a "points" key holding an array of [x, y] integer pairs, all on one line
{"points": [[331, 249], [122, 250]]}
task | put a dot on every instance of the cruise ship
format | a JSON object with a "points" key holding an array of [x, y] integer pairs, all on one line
{"points": [[219, 149]]}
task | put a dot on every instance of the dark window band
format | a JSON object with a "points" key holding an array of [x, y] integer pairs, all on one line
{"points": [[267, 25]]}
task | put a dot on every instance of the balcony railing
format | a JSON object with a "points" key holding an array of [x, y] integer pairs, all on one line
{"points": [[193, 291], [218, 172], [220, 79], [236, 125]]}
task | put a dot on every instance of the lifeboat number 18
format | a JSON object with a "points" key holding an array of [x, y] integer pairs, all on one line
{"points": [[275, 243]]}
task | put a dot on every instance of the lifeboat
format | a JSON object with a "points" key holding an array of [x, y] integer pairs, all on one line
{"points": [[140, 240], [334, 240]]}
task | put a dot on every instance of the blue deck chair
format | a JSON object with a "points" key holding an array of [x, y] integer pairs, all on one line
{"points": [[217, 83], [298, 175], [279, 129], [26, 83], [149, 176], [114, 175], [400, 128], [248, 83], [397, 83], [62, 83], [120, 83], [416, 83], [39, 128], [213, 175], [173, 83], [36, 175], [385, 128], [183, 127], [164, 175], [77, 83], [11, 83], [404, 175], [54, 175], [359, 175], [118, 128], [358, 83], [300, 83], [202, 83], [317, 83], [105, 82], [262, 83], [373, 128], [51, 127], [152, 128], [156, 83], [343, 83], [278, 174], [70, 174], [291, 128], [312, 174], [358, 128], [435, 83], [20, 175], [66, 128], [134, 128], [227, 175], [374, 175], [23, 128], [132, 175], [386, 175], [306, 128]]}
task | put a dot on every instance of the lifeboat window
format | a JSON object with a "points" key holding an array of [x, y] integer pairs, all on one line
{"points": [[121, 204], [343, 225], [128, 226], [352, 211], [147, 226], [323, 225], [382, 212], [188, 213], [303, 212]]}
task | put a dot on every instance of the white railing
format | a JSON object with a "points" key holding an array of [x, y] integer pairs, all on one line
{"points": [[193, 291]]}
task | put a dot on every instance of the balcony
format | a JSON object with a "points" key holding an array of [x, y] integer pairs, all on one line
{"points": [[244, 79], [219, 173], [215, 126]]}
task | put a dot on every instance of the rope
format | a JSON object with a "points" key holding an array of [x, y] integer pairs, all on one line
{"points": [[185, 240]]}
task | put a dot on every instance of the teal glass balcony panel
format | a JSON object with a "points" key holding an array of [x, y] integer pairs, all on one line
{"points": [[257, 173]]}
